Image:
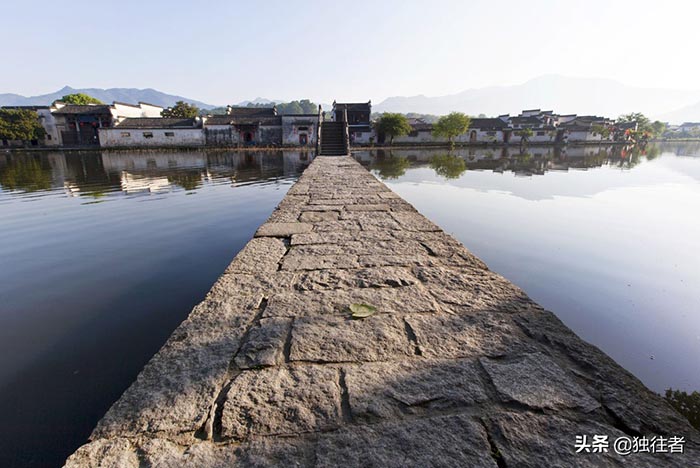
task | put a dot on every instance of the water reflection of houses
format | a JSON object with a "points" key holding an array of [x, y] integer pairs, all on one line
{"points": [[534, 160]]}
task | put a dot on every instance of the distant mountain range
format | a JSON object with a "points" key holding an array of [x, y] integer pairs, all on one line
{"points": [[564, 95], [127, 95]]}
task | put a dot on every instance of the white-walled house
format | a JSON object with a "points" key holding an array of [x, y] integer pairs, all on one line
{"points": [[153, 132], [299, 129], [121, 110]]}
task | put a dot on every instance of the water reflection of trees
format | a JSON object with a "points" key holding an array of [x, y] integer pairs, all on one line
{"points": [[525, 162], [388, 165], [688, 404], [448, 166], [188, 180], [28, 173]]}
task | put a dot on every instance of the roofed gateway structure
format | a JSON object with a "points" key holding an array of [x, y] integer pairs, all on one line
{"points": [[358, 119]]}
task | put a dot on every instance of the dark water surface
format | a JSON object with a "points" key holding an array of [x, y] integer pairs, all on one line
{"points": [[102, 255], [607, 238]]}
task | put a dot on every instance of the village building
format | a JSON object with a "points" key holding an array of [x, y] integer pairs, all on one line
{"points": [[422, 132], [78, 125], [244, 126], [300, 130], [358, 118], [262, 126], [121, 110], [153, 132], [486, 130]]}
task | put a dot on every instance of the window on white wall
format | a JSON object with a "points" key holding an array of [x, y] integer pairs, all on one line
{"points": [[169, 134], [148, 134], [126, 134]]}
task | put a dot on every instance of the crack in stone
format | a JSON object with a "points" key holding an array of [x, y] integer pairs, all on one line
{"points": [[411, 334], [287, 351], [494, 452], [345, 408]]}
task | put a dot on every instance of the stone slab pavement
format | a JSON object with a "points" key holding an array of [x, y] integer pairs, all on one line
{"points": [[457, 366]]}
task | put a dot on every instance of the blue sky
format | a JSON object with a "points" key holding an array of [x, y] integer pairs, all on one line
{"points": [[224, 52]]}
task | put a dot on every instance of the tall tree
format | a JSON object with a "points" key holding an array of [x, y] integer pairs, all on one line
{"points": [[451, 126], [290, 108], [181, 109], [80, 99], [393, 125], [20, 124]]}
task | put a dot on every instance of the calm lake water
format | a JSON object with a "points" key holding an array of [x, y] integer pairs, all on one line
{"points": [[102, 255], [607, 238]]}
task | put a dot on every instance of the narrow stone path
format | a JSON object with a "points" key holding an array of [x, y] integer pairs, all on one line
{"points": [[457, 366]]}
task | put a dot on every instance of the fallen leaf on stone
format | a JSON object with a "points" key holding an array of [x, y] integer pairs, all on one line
{"points": [[360, 311]]}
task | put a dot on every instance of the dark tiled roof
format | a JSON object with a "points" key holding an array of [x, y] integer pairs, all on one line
{"points": [[157, 122], [244, 120], [88, 109], [34, 108], [525, 121], [252, 112], [219, 120], [420, 125], [352, 106], [488, 123]]}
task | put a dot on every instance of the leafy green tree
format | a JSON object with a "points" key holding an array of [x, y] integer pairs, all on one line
{"points": [[658, 128], [451, 125], [20, 124], [393, 125], [80, 99], [181, 109], [304, 106], [448, 166], [290, 108], [644, 125], [643, 122]]}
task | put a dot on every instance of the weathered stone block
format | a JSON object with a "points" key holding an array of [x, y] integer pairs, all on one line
{"points": [[282, 401], [340, 237], [341, 339], [318, 216], [108, 453], [534, 440], [474, 289], [282, 229], [537, 381], [258, 256], [414, 221], [372, 207], [264, 345], [383, 277], [448, 441], [393, 390], [448, 335]]}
